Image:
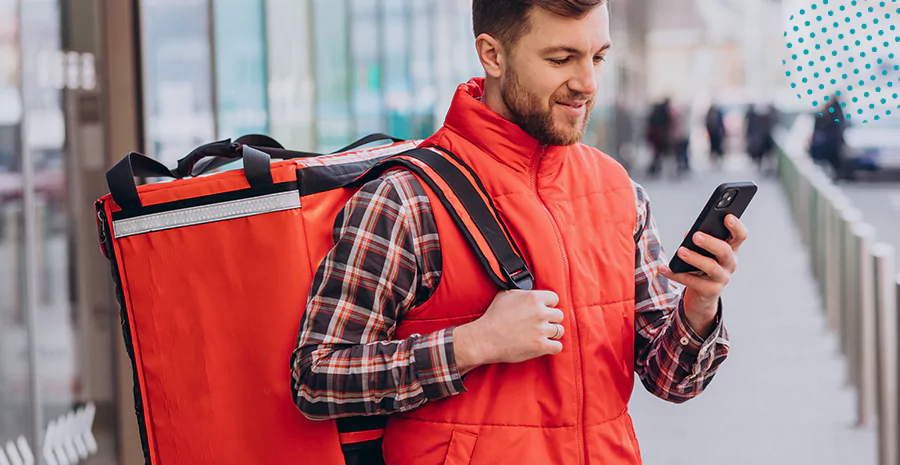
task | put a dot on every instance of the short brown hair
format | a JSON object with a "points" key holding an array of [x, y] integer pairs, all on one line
{"points": [[506, 20]]}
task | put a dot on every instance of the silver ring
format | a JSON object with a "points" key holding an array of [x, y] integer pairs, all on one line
{"points": [[558, 326]]}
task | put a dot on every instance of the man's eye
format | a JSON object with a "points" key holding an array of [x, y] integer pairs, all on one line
{"points": [[561, 61], [598, 59]]}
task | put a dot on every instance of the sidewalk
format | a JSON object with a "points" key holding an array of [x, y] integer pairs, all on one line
{"points": [[780, 398]]}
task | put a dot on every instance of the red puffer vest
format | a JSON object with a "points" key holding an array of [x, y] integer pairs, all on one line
{"points": [[571, 210]]}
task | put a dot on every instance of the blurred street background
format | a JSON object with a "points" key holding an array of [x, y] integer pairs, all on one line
{"points": [[694, 93]]}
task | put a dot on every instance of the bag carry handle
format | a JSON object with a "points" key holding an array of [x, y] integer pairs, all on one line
{"points": [[194, 164], [251, 148], [124, 190], [190, 166]]}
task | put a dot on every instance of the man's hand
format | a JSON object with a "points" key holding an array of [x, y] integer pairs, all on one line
{"points": [[703, 288], [518, 326]]}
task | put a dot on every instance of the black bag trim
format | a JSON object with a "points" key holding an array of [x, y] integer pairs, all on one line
{"points": [[318, 179], [108, 247], [358, 424]]}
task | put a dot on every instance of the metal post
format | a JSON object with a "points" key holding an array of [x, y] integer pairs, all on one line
{"points": [[788, 172], [865, 336], [851, 304], [812, 222], [894, 438], [819, 236], [833, 236], [213, 75], [849, 261], [803, 200], [822, 235], [886, 323], [30, 302], [823, 214], [830, 259]]}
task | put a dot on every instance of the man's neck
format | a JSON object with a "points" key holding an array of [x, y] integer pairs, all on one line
{"points": [[493, 98]]}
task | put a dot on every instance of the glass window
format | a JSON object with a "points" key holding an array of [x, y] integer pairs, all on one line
{"points": [[368, 110], [33, 71], [333, 116], [175, 38], [445, 76], [291, 80], [465, 59], [56, 336], [240, 46], [397, 82], [422, 64], [15, 387]]}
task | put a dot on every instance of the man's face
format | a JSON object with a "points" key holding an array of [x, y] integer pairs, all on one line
{"points": [[551, 76]]}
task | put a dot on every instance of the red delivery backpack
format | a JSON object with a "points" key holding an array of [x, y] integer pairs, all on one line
{"points": [[212, 273]]}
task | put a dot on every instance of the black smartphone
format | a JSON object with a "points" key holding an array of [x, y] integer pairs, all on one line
{"points": [[729, 198]]}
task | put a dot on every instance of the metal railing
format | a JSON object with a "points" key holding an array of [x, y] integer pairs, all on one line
{"points": [[859, 290]]}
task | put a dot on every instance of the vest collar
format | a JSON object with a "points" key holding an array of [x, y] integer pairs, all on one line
{"points": [[500, 138]]}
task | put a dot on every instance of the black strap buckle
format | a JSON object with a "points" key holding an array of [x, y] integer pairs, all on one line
{"points": [[522, 278]]}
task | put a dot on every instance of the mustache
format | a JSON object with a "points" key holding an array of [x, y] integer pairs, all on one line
{"points": [[575, 96]]}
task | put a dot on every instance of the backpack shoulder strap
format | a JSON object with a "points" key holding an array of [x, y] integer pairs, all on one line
{"points": [[466, 200], [463, 195]]}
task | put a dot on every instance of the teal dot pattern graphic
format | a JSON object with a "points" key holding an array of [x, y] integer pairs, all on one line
{"points": [[849, 50]]}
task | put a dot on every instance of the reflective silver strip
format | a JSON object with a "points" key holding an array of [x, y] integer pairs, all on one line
{"points": [[207, 214]]}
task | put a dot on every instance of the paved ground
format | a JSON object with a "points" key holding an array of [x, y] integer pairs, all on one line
{"points": [[780, 398]]}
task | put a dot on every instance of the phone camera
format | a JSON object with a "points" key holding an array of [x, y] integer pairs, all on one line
{"points": [[726, 199]]}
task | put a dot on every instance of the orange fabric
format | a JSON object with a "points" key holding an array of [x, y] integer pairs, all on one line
{"points": [[361, 436], [214, 389], [461, 447], [571, 211], [212, 332]]}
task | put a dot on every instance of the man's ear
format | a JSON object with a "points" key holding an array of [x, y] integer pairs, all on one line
{"points": [[492, 55]]}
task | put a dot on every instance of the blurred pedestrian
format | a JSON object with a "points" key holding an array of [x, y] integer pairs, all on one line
{"points": [[680, 136], [659, 130], [827, 144], [623, 130], [750, 123], [715, 127], [760, 139]]}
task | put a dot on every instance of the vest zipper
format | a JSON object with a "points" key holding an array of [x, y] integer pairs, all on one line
{"points": [[571, 327]]}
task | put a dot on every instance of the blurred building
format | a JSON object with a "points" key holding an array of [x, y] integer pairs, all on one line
{"points": [[83, 82]]}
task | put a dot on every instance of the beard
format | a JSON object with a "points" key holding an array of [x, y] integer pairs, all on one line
{"points": [[529, 114]]}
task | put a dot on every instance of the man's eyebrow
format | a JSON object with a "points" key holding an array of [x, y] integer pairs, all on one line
{"points": [[571, 50]]}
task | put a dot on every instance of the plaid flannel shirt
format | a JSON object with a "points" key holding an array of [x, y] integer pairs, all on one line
{"points": [[387, 260]]}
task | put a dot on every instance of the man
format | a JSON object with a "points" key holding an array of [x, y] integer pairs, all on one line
{"points": [[659, 131], [402, 319], [715, 128], [681, 136], [827, 145], [760, 141]]}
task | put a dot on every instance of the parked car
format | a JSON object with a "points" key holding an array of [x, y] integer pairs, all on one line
{"points": [[874, 148]]}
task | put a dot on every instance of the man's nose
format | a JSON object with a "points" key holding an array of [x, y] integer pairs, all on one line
{"points": [[585, 80]]}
